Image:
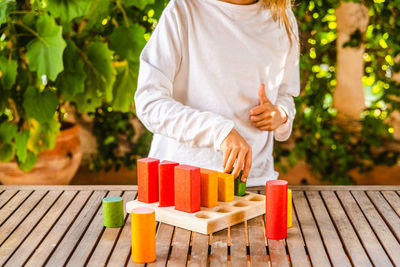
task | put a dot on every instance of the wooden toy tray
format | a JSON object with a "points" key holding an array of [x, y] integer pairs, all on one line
{"points": [[209, 220]]}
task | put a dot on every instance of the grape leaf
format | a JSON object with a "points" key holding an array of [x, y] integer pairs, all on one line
{"points": [[29, 163], [141, 4], [7, 132], [100, 78], [124, 88], [7, 152], [72, 80], [8, 70], [40, 105], [21, 145], [45, 52], [6, 6], [67, 10], [128, 42], [43, 135], [99, 9]]}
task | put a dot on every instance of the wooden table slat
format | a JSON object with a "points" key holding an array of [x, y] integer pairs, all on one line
{"points": [[6, 196], [310, 231], [219, 248], [277, 252], [371, 244], [30, 243], [108, 239], [199, 253], [122, 250], [88, 240], [382, 231], [349, 237], [257, 242], [238, 245], [14, 203], [386, 211], [393, 199], [296, 246], [329, 235], [26, 226], [78, 228], [20, 214], [180, 247], [47, 245], [163, 243]]}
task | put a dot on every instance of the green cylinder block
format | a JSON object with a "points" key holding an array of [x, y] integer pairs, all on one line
{"points": [[113, 212]]}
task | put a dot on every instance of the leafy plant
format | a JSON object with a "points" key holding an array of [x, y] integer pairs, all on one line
{"points": [[330, 146], [82, 53]]}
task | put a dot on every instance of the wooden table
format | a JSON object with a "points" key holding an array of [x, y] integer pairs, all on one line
{"points": [[332, 225]]}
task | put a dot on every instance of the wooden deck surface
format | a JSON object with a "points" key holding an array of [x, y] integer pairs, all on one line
{"points": [[332, 226]]}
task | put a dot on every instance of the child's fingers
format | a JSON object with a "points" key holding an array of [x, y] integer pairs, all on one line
{"points": [[226, 154], [231, 160], [261, 117], [257, 110], [247, 165], [262, 123], [239, 163]]}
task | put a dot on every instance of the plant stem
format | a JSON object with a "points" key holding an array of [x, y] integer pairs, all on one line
{"points": [[18, 22], [121, 8]]}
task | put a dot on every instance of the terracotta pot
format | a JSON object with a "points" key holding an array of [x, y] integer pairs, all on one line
{"points": [[55, 167]]}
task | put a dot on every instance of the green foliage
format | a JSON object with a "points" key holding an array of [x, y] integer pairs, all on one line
{"points": [[331, 148], [83, 53]]}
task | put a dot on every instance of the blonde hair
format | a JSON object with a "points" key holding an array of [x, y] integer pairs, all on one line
{"points": [[278, 11]]}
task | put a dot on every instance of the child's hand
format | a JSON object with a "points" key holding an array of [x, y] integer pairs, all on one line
{"points": [[267, 116], [236, 149]]}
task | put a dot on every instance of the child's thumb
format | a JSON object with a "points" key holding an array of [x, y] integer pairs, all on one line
{"points": [[262, 95]]}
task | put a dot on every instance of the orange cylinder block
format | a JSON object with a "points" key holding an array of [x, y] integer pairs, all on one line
{"points": [[143, 235]]}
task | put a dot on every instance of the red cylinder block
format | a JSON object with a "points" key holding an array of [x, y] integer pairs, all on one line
{"points": [[276, 209], [166, 183]]}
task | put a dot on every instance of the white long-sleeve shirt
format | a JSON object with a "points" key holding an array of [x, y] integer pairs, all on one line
{"points": [[199, 77]]}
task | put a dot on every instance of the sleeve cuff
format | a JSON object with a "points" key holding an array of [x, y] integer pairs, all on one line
{"points": [[223, 134]]}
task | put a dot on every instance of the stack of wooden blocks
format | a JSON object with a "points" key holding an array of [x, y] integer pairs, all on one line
{"points": [[194, 198]]}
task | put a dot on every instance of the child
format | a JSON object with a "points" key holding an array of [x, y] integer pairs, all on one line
{"points": [[216, 84]]}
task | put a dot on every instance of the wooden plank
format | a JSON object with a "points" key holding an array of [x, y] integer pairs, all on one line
{"points": [[199, 254], [352, 244], [180, 247], [393, 199], [71, 187], [261, 188], [366, 235], [386, 211], [329, 235], [295, 243], [277, 251], [67, 245], [257, 242], [163, 243], [30, 243], [309, 228], [25, 227], [48, 244], [108, 239], [219, 249], [238, 245], [12, 205], [121, 252], [382, 231], [20, 214], [88, 240], [6, 196]]}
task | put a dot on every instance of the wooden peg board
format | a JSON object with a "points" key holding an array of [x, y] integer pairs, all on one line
{"points": [[209, 220]]}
